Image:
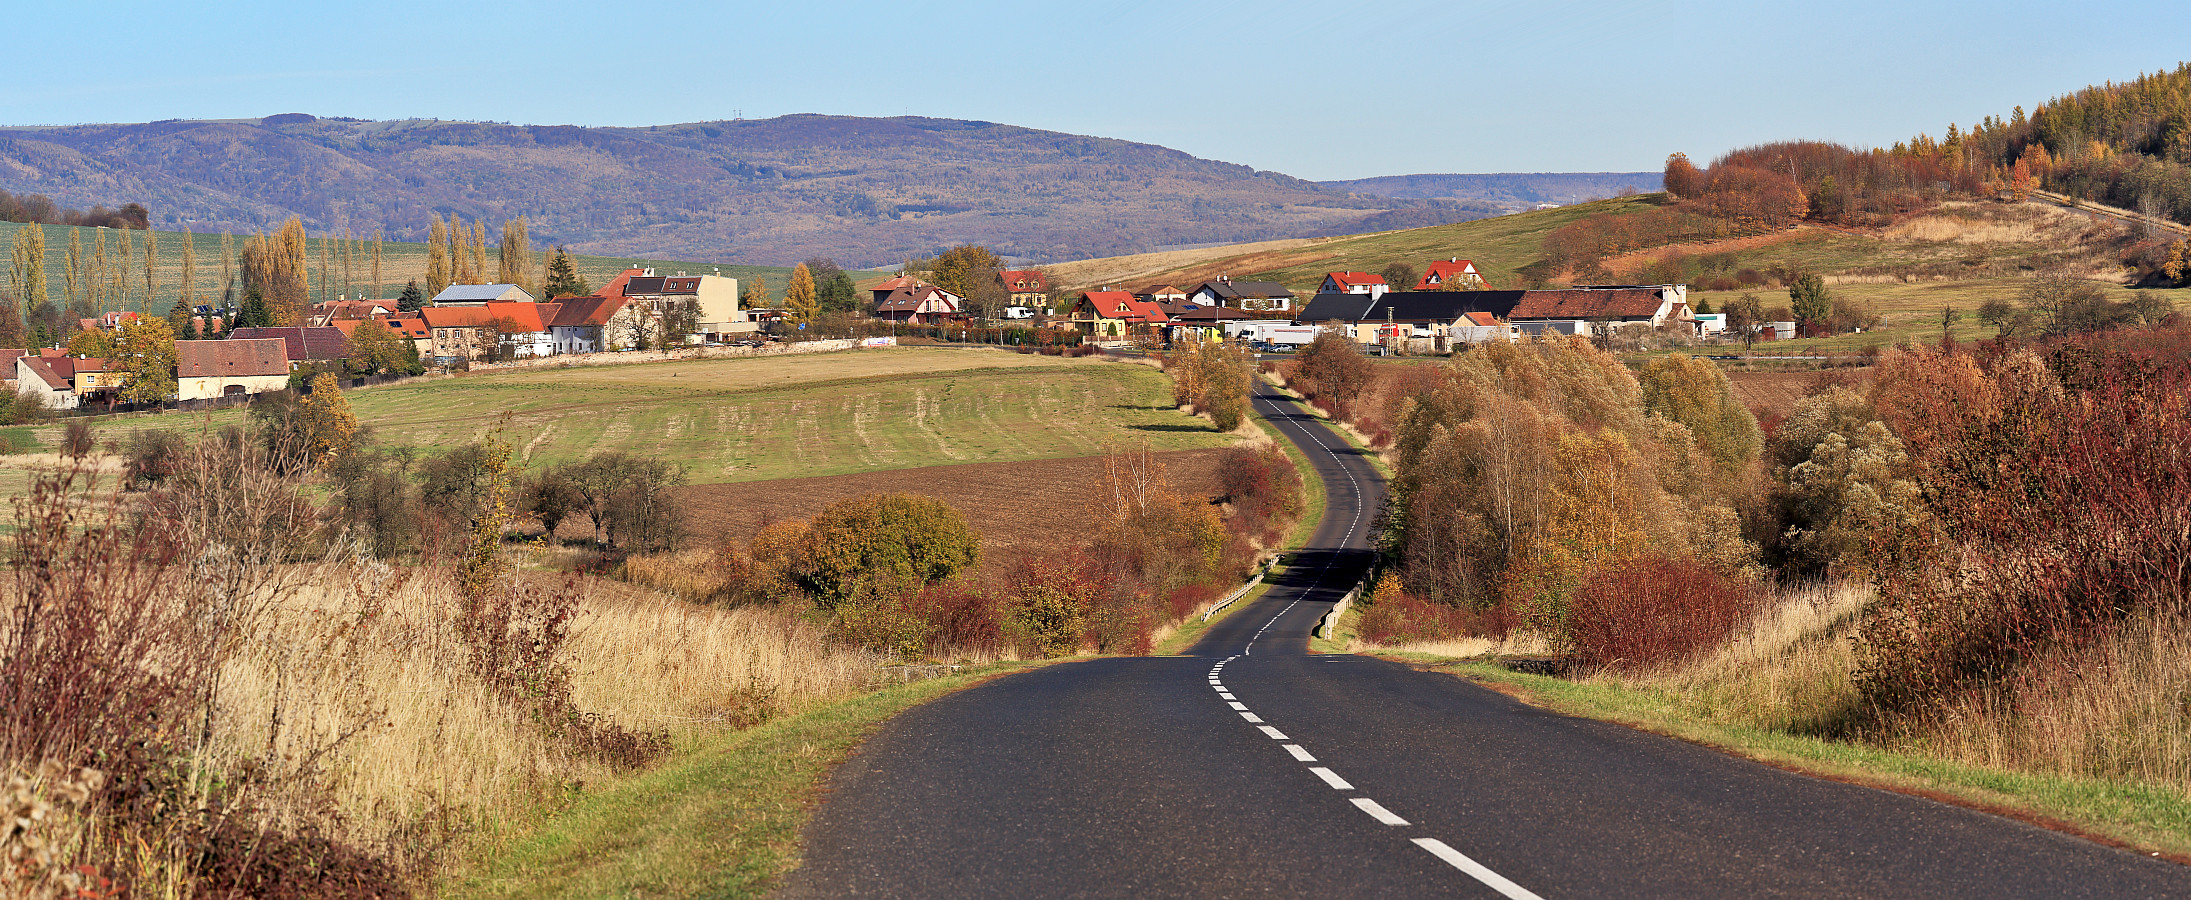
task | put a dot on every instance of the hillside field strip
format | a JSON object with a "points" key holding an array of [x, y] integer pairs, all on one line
{"points": [[401, 261], [740, 420]]}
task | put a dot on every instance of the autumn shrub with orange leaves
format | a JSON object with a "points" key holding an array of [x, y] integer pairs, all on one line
{"points": [[1523, 469]]}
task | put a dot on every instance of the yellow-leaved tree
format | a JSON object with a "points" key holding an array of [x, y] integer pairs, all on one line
{"points": [[330, 428], [800, 305], [142, 352]]}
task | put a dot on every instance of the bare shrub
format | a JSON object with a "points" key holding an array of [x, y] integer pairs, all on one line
{"points": [[1655, 612]]}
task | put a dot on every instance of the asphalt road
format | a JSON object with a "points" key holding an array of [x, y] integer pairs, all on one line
{"points": [[1250, 768]]}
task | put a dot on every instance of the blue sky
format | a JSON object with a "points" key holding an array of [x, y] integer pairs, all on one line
{"points": [[1317, 90]]}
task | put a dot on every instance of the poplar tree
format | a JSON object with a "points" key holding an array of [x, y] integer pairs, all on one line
{"points": [[228, 270], [291, 298], [95, 280], [380, 238], [514, 255], [73, 272], [152, 267], [478, 252], [124, 260], [438, 274], [800, 305], [327, 272], [27, 272], [188, 298]]}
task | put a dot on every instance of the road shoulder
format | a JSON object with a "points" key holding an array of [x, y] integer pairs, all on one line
{"points": [[2145, 819]]}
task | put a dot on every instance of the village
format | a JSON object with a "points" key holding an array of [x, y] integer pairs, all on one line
{"points": [[1450, 308]]}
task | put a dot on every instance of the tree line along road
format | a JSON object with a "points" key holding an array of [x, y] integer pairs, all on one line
{"points": [[1251, 768]]}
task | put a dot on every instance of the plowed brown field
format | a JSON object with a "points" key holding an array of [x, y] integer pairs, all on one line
{"points": [[1028, 505]]}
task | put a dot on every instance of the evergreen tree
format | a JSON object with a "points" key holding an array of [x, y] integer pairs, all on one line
{"points": [[563, 278], [255, 313], [413, 299], [837, 294], [1813, 304]]}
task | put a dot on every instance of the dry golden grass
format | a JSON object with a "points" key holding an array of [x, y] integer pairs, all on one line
{"points": [[1793, 669], [356, 695], [2118, 710], [1519, 643]]}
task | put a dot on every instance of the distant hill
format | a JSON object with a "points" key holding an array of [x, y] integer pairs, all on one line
{"points": [[767, 192], [1508, 192]]}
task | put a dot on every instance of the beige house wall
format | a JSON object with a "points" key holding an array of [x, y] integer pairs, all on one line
{"points": [[212, 386]]}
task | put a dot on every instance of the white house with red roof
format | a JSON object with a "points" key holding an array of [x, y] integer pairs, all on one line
{"points": [[1354, 283], [1112, 315], [1448, 273]]}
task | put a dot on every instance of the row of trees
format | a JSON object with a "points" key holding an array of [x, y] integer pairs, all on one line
{"points": [[40, 209]]}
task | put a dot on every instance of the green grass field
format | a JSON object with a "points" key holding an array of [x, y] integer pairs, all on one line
{"points": [[1909, 312], [737, 420], [400, 262]]}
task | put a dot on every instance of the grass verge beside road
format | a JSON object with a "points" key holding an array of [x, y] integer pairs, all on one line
{"points": [[1312, 484], [722, 820], [2145, 818]]}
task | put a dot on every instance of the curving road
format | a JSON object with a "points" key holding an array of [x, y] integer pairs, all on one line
{"points": [[1251, 768]]}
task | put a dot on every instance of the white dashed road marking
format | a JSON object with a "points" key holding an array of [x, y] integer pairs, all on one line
{"points": [[1275, 734], [1299, 754], [1475, 869], [1331, 778], [1378, 812]]}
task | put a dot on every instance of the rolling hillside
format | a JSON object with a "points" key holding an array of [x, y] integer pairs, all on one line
{"points": [[1509, 192], [766, 192], [1913, 272]]}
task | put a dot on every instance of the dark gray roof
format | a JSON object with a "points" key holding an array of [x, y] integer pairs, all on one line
{"points": [[1343, 307], [1234, 290], [1408, 306]]}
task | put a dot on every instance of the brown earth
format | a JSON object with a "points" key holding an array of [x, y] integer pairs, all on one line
{"points": [[1031, 505], [1776, 393]]}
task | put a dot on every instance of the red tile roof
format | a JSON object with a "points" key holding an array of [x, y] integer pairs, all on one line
{"points": [[351, 309], [574, 312], [1355, 279], [409, 325], [1443, 270], [528, 317], [43, 368], [235, 357], [898, 283], [1024, 280], [305, 344], [1624, 303], [1122, 305]]}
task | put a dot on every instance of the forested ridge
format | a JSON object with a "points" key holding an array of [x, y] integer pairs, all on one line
{"points": [[865, 191]]}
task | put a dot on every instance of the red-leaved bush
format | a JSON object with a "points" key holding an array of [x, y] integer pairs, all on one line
{"points": [[1650, 611], [2062, 491]]}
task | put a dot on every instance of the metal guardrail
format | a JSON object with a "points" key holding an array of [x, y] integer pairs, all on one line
{"points": [[1329, 624], [1240, 592]]}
